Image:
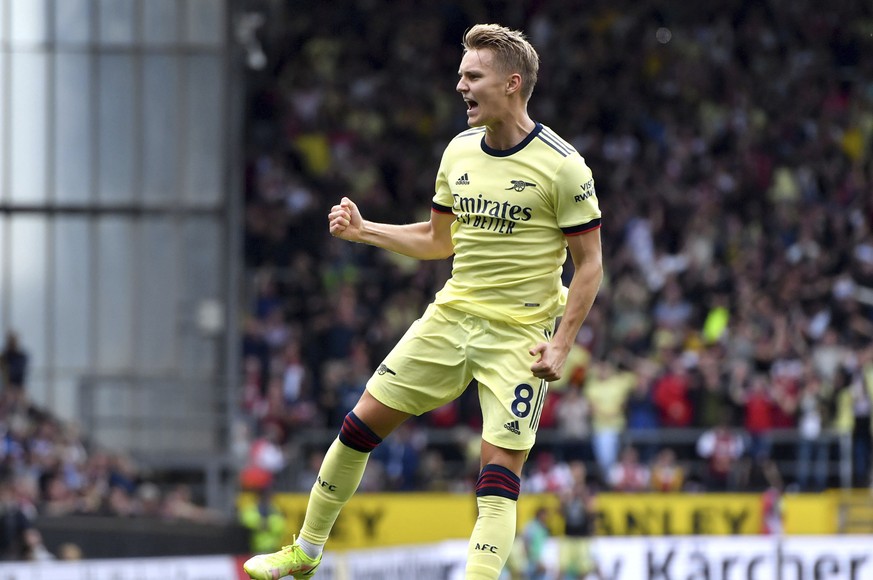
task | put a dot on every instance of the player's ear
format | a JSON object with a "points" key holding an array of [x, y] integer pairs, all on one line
{"points": [[513, 83]]}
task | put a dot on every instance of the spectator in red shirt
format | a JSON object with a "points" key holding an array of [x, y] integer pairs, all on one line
{"points": [[670, 394], [760, 409]]}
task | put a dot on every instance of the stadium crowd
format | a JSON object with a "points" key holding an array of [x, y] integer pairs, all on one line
{"points": [[49, 468], [731, 149]]}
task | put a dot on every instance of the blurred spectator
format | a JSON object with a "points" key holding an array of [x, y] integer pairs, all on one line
{"points": [[722, 449], [35, 549], [256, 354], [672, 311], [306, 472], [862, 408], [535, 535], [670, 394], [628, 474], [756, 395], [828, 354], [265, 523], [642, 412], [548, 475], [575, 557], [773, 512], [709, 395], [842, 410], [179, 504], [433, 473], [666, 474], [148, 500], [813, 444], [16, 523], [266, 459], [400, 455], [574, 424], [607, 390], [119, 503], [58, 498], [13, 363], [70, 552]]}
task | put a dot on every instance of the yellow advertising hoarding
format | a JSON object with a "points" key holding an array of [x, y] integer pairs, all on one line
{"points": [[370, 520], [661, 514]]}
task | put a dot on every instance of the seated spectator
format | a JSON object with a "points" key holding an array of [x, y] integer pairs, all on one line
{"points": [[629, 474], [722, 449], [667, 474], [548, 475]]}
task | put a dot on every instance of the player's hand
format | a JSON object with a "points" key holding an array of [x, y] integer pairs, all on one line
{"points": [[550, 361], [345, 220]]}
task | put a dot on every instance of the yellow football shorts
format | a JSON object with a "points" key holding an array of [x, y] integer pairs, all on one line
{"points": [[444, 350]]}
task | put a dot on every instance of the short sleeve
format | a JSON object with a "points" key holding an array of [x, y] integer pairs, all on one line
{"points": [[576, 205]]}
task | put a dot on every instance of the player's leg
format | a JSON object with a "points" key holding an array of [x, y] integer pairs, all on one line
{"points": [[338, 479], [511, 399], [343, 467], [425, 370], [497, 493]]}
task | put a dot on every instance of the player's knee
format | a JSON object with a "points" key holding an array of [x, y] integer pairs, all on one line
{"points": [[356, 435]]}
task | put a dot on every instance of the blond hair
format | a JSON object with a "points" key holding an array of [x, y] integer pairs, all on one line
{"points": [[512, 52]]}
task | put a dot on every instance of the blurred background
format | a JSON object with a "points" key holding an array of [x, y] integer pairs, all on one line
{"points": [[182, 337]]}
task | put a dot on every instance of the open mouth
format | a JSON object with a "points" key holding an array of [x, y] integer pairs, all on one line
{"points": [[471, 105]]}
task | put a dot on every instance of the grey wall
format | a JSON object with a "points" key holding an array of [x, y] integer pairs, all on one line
{"points": [[116, 240]]}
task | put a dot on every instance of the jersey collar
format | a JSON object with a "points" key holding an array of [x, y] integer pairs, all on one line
{"points": [[507, 152]]}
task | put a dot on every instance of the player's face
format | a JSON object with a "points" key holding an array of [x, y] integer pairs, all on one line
{"points": [[483, 88]]}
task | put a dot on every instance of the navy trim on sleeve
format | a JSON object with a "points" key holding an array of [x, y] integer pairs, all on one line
{"points": [[441, 208], [582, 228]]}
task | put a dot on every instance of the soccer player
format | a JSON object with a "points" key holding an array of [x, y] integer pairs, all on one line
{"points": [[511, 197]]}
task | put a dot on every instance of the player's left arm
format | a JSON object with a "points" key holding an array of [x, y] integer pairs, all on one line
{"points": [[587, 257], [578, 215]]}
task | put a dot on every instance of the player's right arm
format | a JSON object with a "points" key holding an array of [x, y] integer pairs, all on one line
{"points": [[430, 240]]}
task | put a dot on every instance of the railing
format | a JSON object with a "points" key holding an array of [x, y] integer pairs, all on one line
{"points": [[682, 441]]}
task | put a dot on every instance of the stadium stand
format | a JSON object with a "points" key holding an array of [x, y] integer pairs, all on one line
{"points": [[731, 148]]}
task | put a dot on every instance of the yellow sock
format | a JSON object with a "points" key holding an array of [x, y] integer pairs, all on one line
{"points": [[492, 538], [338, 479]]}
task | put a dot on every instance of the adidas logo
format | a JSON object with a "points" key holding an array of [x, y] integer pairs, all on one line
{"points": [[463, 180], [512, 426]]}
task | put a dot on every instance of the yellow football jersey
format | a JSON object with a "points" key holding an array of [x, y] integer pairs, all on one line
{"points": [[513, 208]]}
